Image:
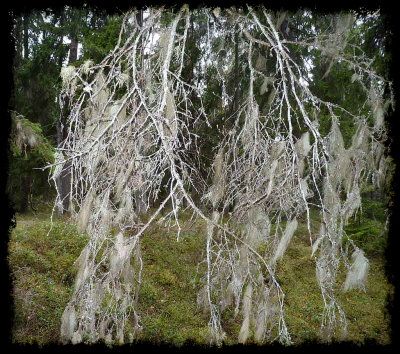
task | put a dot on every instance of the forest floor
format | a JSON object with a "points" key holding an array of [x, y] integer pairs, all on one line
{"points": [[41, 265]]}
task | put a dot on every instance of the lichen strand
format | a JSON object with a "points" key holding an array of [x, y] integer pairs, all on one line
{"points": [[138, 127]]}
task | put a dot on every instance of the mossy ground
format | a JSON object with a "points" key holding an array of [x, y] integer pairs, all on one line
{"points": [[366, 313], [41, 267]]}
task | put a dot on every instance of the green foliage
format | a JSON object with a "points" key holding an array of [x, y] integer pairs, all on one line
{"points": [[40, 52], [374, 37], [97, 44], [36, 68], [370, 236], [29, 151], [21, 146], [368, 228]]}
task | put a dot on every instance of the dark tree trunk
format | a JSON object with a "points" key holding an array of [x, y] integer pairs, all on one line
{"points": [[139, 18], [18, 35], [26, 189], [73, 51]]}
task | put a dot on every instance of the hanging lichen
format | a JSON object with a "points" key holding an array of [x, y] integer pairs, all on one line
{"points": [[133, 142], [357, 274]]}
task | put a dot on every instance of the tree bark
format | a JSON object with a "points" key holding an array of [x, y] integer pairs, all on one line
{"points": [[18, 35], [73, 51], [26, 37], [64, 180], [139, 18], [26, 188]]}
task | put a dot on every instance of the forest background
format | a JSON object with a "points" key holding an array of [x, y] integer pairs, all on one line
{"points": [[40, 50]]}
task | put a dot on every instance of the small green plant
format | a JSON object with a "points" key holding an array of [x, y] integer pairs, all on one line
{"points": [[370, 235]]}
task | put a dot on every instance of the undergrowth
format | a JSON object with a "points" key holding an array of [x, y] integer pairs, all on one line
{"points": [[42, 271]]}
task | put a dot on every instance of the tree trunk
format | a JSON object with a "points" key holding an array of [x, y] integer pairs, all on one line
{"points": [[235, 103], [26, 188], [18, 34], [26, 38], [139, 18], [140, 202], [140, 196], [73, 51], [64, 179]]}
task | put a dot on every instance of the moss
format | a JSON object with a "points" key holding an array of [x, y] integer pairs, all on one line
{"points": [[41, 266], [365, 311], [167, 299]]}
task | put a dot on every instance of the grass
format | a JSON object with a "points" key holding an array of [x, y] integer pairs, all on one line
{"points": [[41, 267], [365, 311], [167, 298], [42, 271]]}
